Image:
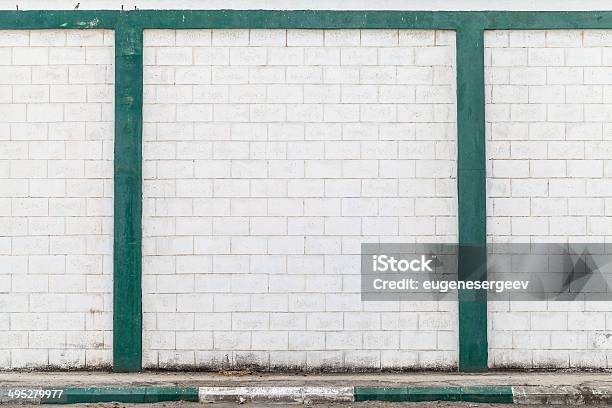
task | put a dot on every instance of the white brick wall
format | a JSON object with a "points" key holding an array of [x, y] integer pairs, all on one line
{"points": [[56, 188], [269, 156], [549, 126]]}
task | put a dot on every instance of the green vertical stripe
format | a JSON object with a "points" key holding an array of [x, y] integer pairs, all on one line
{"points": [[471, 187], [127, 291]]}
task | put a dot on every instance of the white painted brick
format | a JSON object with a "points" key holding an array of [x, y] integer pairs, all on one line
{"points": [[396, 56], [40, 243], [583, 56], [269, 340], [309, 38], [263, 206], [379, 37], [26, 358], [268, 37], [230, 37], [509, 57], [547, 94], [358, 56], [341, 75], [183, 37], [568, 75], [520, 76], [30, 55], [87, 74], [342, 37], [548, 57], [322, 56], [419, 340], [67, 55], [377, 75], [567, 174], [564, 38], [529, 113], [596, 38], [527, 38], [47, 38]]}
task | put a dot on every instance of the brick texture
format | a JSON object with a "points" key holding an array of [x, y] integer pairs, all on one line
{"points": [[269, 156], [56, 188], [549, 146]]}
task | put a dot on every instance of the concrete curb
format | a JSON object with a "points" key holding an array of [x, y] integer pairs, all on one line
{"points": [[562, 395], [277, 394], [524, 395]]}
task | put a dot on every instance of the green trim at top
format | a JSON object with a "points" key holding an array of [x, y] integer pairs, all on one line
{"points": [[314, 19], [308, 19], [54, 19]]}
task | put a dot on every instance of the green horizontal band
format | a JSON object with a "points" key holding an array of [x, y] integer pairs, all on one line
{"points": [[488, 394], [330, 19], [57, 19], [123, 394], [336, 19]]}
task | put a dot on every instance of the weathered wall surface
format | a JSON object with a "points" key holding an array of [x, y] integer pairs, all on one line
{"points": [[549, 124], [56, 189], [269, 156]]}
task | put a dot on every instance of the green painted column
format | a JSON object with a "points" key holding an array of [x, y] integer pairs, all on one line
{"points": [[471, 190], [127, 263]]}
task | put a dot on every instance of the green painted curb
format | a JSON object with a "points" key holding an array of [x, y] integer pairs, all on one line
{"points": [[489, 394], [123, 394]]}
